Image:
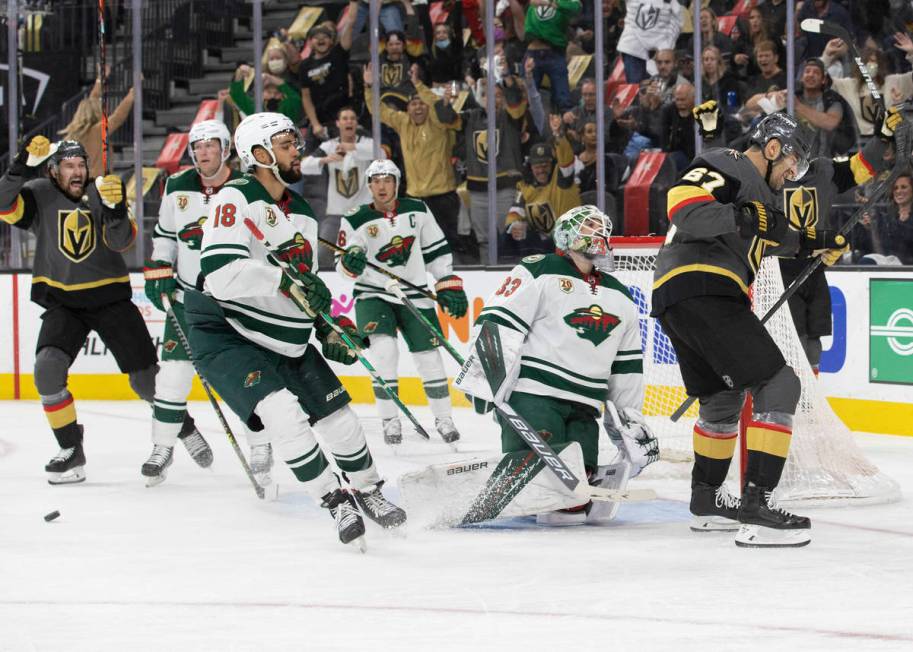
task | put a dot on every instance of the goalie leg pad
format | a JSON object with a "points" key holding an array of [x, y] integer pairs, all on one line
{"points": [[430, 367], [169, 407], [345, 437], [294, 441], [385, 356]]}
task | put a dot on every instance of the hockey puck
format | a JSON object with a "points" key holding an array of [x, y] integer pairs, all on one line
{"points": [[51, 516]]}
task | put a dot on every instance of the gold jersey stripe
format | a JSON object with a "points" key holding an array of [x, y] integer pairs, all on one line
{"points": [[15, 212], [698, 267], [769, 440], [79, 286]]}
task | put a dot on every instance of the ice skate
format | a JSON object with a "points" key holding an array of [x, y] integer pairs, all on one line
{"points": [[446, 429], [714, 509], [349, 523], [393, 431], [67, 466], [376, 507], [195, 444], [261, 463], [156, 467], [763, 525], [563, 517]]}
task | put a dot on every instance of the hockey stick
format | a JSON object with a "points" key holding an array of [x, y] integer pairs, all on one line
{"points": [[829, 28], [492, 363], [385, 272], [301, 301], [166, 302], [902, 151], [103, 76]]}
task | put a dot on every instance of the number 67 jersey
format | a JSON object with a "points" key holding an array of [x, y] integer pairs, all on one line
{"points": [[581, 334], [703, 253]]}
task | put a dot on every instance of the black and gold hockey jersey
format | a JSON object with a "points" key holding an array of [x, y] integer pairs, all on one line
{"points": [[703, 253], [78, 261]]}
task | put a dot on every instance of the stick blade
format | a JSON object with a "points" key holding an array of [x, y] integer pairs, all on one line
{"points": [[812, 25]]}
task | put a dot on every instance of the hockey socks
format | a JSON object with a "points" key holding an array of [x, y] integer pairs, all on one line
{"points": [[768, 446], [60, 411], [713, 452]]}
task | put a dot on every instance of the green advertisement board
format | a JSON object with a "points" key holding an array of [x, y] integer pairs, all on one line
{"points": [[891, 331]]}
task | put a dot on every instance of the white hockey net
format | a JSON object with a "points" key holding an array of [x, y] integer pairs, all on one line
{"points": [[825, 465]]}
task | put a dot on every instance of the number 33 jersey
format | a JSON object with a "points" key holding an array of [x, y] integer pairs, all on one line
{"points": [[582, 334], [703, 253]]}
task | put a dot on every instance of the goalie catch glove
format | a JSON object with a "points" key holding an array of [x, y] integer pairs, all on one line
{"points": [[754, 218], [632, 436]]}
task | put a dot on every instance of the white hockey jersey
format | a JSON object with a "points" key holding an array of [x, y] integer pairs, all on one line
{"points": [[239, 274], [407, 241], [178, 234], [347, 188], [650, 25], [582, 334]]}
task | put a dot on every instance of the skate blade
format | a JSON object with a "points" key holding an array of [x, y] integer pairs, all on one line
{"points": [[713, 524], [263, 479], [73, 476], [154, 481], [360, 543], [758, 536]]}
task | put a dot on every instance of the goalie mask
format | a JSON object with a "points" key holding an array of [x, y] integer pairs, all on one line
{"points": [[258, 130], [586, 230], [209, 130]]}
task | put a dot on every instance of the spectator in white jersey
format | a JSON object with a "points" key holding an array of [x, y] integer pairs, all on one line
{"points": [[346, 157]]}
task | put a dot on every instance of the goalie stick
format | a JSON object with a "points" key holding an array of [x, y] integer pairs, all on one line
{"points": [[492, 363], [299, 298], [166, 302]]}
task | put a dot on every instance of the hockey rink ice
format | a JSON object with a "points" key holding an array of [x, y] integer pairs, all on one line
{"points": [[199, 563]]}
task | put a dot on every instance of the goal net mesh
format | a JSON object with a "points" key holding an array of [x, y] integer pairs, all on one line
{"points": [[825, 465]]}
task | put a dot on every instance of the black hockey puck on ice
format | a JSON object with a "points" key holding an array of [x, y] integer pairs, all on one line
{"points": [[50, 517]]}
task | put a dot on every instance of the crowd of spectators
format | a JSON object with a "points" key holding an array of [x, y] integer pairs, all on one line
{"points": [[433, 79]]}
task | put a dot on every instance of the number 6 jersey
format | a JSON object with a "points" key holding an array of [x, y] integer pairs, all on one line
{"points": [[704, 253]]}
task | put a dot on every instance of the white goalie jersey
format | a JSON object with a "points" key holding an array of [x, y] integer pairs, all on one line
{"points": [[408, 242], [580, 337], [178, 234]]}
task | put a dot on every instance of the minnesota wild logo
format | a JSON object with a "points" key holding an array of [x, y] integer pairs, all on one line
{"points": [[192, 234], [252, 379], [592, 323], [170, 345], [397, 251]]}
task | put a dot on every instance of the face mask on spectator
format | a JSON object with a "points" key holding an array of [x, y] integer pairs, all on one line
{"points": [[499, 34], [443, 43], [872, 67], [276, 66]]}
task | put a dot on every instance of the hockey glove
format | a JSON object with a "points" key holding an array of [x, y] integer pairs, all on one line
{"points": [[708, 118], [354, 261], [311, 294], [830, 245], [333, 346], [29, 160], [630, 433], [111, 192], [160, 280], [886, 123], [296, 253], [756, 219], [451, 296]]}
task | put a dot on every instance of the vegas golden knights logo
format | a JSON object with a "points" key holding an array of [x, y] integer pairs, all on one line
{"points": [[75, 234], [801, 206], [541, 216], [392, 74], [480, 141], [347, 184]]}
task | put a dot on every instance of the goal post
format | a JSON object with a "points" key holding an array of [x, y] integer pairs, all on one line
{"points": [[825, 465]]}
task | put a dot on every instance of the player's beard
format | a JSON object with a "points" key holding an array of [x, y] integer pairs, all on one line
{"points": [[292, 175]]}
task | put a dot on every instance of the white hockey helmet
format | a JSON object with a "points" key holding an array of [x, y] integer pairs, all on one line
{"points": [[257, 130], [209, 130], [586, 230], [383, 167]]}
